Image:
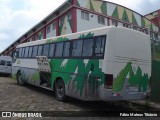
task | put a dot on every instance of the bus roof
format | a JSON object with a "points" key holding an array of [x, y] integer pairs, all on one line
{"points": [[39, 42]]}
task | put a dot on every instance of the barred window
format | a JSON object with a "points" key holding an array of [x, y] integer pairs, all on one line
{"points": [[101, 20], [54, 26], [84, 15], [48, 29]]}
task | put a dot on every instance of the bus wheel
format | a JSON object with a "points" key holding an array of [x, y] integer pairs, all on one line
{"points": [[19, 80], [60, 90]]}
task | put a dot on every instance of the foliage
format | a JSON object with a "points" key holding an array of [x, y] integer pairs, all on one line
{"points": [[89, 35]]}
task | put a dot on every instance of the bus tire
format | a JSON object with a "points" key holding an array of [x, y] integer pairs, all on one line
{"points": [[60, 92], [19, 80]]}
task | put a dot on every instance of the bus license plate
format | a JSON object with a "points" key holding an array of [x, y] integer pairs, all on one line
{"points": [[133, 89]]}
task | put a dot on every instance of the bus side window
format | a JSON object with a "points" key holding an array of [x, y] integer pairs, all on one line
{"points": [[100, 45], [16, 55], [51, 50], [88, 47], [45, 50], [23, 51], [3, 62], [9, 63], [66, 50], [26, 52], [34, 52], [39, 50], [20, 52], [77, 48], [59, 49], [30, 52]]}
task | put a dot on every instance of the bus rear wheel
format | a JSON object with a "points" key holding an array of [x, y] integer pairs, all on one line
{"points": [[19, 80], [60, 90]]}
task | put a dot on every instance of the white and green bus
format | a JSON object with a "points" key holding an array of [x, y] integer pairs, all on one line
{"points": [[110, 63]]}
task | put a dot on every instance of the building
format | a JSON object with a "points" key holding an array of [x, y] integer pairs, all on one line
{"points": [[79, 15], [155, 18]]}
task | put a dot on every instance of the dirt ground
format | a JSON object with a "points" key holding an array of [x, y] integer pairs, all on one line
{"points": [[30, 98]]}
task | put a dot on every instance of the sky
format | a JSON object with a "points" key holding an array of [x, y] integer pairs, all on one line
{"points": [[18, 16]]}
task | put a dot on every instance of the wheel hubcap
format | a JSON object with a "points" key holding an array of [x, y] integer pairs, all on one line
{"points": [[60, 91]]}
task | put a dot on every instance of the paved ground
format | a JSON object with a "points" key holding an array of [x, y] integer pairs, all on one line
{"points": [[31, 98]]}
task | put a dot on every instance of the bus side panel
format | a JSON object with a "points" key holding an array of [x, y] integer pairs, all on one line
{"points": [[29, 74], [82, 78]]}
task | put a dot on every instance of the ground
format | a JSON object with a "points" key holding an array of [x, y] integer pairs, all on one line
{"points": [[30, 98]]}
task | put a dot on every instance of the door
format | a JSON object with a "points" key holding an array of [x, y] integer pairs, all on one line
{"points": [[2, 66], [8, 67]]}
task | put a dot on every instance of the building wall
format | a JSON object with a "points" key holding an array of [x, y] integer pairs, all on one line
{"points": [[40, 35], [152, 15], [117, 12], [30, 39], [95, 8], [65, 24], [51, 30], [155, 18], [92, 23]]}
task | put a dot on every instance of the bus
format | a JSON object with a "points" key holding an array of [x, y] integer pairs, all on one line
{"points": [[109, 63], [5, 65]]}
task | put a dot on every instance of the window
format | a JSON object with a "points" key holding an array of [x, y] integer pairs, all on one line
{"points": [[30, 39], [59, 50], [126, 25], [87, 47], [35, 48], [145, 31], [114, 22], [156, 36], [69, 16], [54, 26], [99, 47], [39, 36], [66, 50], [15, 55], [120, 24], [26, 52], [134, 27], [9, 63], [45, 50], [101, 20], [20, 52], [39, 50], [2, 62], [51, 50], [139, 29], [84, 15], [23, 51], [61, 21], [151, 35], [48, 29], [30, 52], [77, 48]]}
